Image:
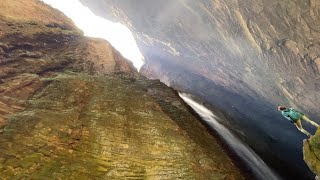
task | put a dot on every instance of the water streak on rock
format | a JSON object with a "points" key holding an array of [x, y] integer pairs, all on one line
{"points": [[253, 161]]}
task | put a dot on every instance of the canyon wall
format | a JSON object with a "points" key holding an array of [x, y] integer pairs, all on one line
{"points": [[73, 107], [241, 57]]}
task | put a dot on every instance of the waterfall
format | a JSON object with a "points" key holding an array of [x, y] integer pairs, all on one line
{"points": [[252, 160]]}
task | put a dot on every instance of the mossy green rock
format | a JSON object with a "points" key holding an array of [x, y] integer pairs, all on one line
{"points": [[311, 152], [73, 108], [84, 126]]}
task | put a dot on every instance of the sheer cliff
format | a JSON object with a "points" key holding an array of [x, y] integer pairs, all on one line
{"points": [[73, 107], [242, 57]]}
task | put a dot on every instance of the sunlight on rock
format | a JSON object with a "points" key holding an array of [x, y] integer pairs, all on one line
{"points": [[94, 26]]}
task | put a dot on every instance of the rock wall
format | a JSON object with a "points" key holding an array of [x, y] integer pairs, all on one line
{"points": [[257, 42], [73, 107], [311, 153], [242, 57]]}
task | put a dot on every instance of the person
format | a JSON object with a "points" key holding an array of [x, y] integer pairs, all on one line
{"points": [[295, 117]]}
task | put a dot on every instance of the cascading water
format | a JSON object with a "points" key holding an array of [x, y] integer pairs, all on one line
{"points": [[254, 162]]}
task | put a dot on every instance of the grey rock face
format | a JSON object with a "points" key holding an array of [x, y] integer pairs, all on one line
{"points": [[258, 42]]}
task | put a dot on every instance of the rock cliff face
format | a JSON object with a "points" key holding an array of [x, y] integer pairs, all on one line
{"points": [[242, 57], [311, 153], [73, 107]]}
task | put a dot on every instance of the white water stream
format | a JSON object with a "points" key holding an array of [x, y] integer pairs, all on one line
{"points": [[254, 162]]}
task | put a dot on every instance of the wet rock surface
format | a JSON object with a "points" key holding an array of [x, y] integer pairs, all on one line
{"points": [[73, 107]]}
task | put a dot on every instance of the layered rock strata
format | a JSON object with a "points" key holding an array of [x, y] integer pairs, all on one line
{"points": [[73, 107], [242, 57]]}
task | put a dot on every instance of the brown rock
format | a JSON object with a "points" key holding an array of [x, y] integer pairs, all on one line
{"points": [[28, 54], [82, 111], [26, 11], [103, 58], [4, 47], [317, 63], [1, 51], [292, 46]]}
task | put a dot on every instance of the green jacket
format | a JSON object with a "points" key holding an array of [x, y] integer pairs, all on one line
{"points": [[292, 114]]}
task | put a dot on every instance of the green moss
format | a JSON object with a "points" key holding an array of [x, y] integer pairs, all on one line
{"points": [[311, 153], [74, 123], [96, 126]]}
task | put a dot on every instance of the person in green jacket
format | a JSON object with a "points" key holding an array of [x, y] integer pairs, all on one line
{"points": [[295, 117]]}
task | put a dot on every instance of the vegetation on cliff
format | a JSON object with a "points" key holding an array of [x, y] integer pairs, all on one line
{"points": [[73, 107], [242, 57], [311, 152]]}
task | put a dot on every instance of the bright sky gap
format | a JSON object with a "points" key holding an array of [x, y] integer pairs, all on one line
{"points": [[117, 34]]}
